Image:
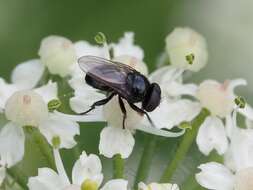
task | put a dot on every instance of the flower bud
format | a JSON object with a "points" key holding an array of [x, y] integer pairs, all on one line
{"points": [[26, 108], [58, 54], [216, 97], [133, 62], [185, 43]]}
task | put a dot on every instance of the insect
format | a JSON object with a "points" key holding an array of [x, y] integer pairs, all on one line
{"points": [[118, 79]]}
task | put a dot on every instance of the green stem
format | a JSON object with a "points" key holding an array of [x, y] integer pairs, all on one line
{"points": [[146, 159], [63, 89], [43, 146], [184, 146], [118, 166], [18, 177]]}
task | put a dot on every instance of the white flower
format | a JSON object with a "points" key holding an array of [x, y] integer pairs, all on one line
{"points": [[25, 76], [157, 186], [237, 173], [58, 54], [85, 96], [24, 105], [86, 175], [182, 42], [126, 46], [173, 109], [219, 100], [12, 136]]}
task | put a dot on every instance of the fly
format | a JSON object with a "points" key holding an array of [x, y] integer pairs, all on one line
{"points": [[118, 79]]}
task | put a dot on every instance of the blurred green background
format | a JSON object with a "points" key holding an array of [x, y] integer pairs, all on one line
{"points": [[227, 26]]}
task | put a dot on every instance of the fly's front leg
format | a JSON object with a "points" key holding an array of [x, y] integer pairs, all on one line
{"points": [[98, 103], [123, 109], [141, 111]]}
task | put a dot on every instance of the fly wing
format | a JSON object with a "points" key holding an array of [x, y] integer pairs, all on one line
{"points": [[110, 73], [105, 70]]}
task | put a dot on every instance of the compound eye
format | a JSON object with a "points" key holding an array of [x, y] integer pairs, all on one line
{"points": [[152, 98]]}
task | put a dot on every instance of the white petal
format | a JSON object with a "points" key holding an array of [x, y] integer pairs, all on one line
{"points": [[2, 175], [6, 90], [229, 125], [126, 47], [178, 89], [85, 48], [236, 82], [171, 113], [87, 168], [215, 176], [157, 186], [48, 91], [115, 140], [115, 184], [47, 179], [96, 116], [57, 126], [27, 75], [152, 130], [212, 135], [83, 102], [12, 142], [241, 149], [164, 74]]}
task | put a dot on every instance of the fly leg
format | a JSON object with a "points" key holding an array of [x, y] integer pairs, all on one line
{"points": [[98, 103], [123, 109], [141, 111]]}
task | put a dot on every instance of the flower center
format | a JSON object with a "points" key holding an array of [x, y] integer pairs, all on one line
{"points": [[89, 185], [216, 97], [26, 108], [244, 179]]}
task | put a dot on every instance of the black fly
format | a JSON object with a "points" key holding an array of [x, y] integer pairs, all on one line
{"points": [[122, 80]]}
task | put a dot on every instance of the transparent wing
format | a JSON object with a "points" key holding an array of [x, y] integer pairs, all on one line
{"points": [[106, 71]]}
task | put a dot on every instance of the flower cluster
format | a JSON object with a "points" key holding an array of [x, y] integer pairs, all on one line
{"points": [[205, 112]]}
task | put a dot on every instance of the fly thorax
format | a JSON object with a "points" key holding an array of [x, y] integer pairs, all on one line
{"points": [[137, 85]]}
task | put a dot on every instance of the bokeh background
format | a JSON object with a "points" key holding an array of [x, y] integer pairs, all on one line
{"points": [[226, 24]]}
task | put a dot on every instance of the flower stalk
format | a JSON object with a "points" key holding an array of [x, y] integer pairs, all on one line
{"points": [[146, 159], [118, 166], [184, 146], [18, 177], [42, 144]]}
